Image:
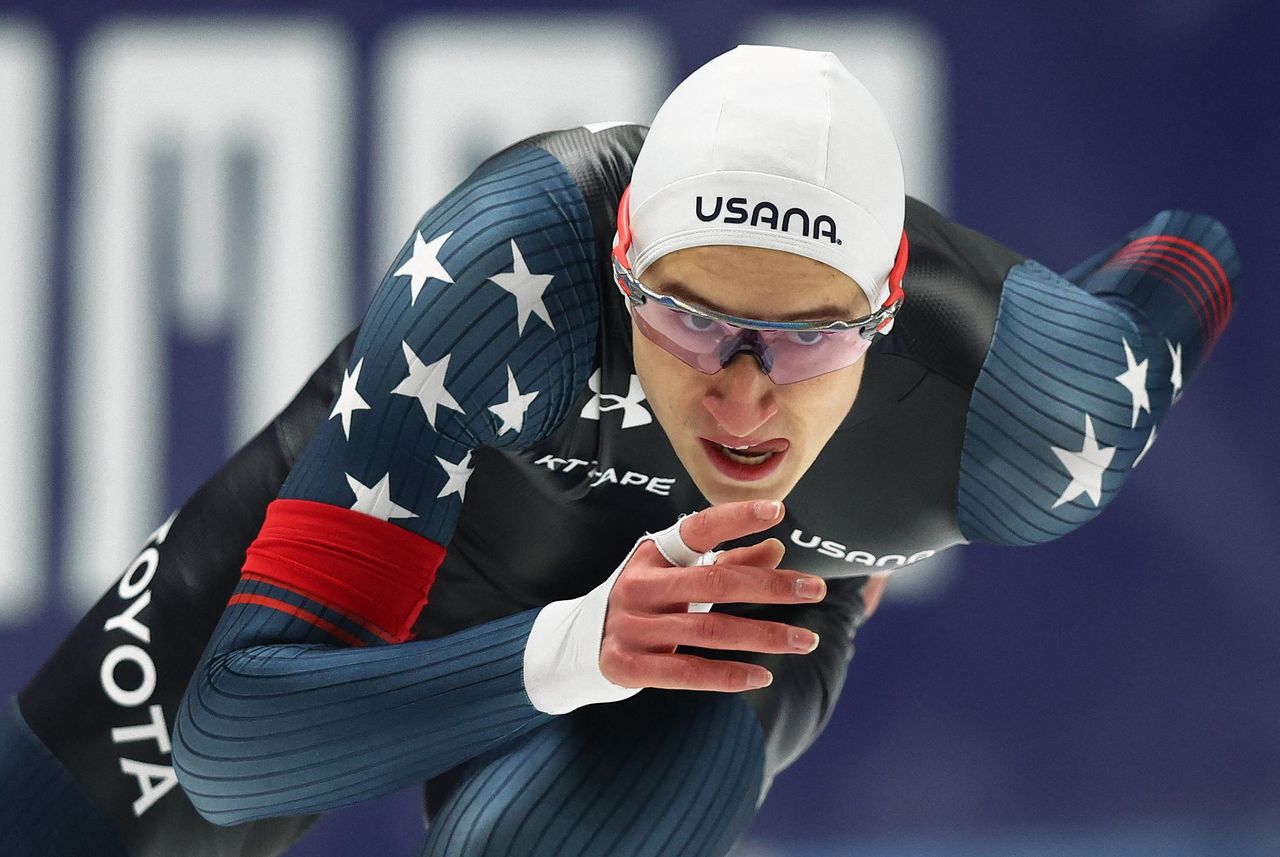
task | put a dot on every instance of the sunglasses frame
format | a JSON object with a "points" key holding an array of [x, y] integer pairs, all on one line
{"points": [[637, 293]]}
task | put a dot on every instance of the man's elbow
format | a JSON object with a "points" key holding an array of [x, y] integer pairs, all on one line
{"points": [[195, 756]]}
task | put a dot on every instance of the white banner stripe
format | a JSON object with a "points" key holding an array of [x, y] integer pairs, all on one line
{"points": [[26, 248]]}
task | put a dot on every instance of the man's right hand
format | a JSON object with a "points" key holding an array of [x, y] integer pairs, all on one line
{"points": [[648, 612]]}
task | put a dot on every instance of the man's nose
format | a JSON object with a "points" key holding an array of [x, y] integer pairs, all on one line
{"points": [[740, 397]]}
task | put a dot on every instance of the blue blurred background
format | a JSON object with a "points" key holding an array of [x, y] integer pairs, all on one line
{"points": [[1113, 693]]}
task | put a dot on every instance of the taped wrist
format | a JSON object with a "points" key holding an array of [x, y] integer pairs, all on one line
{"points": [[562, 655]]}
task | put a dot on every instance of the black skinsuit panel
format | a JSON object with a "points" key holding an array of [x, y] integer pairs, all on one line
{"points": [[198, 565]]}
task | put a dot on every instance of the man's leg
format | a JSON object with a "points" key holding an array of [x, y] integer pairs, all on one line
{"points": [[665, 772], [43, 810], [82, 773]]}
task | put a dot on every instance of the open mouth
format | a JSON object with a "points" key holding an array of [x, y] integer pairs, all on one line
{"points": [[747, 461], [757, 454]]}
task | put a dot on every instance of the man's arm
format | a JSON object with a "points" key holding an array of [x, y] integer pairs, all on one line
{"points": [[482, 333], [1082, 369]]}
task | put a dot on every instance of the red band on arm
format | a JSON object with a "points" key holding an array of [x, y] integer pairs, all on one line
{"points": [[373, 572], [1190, 269]]}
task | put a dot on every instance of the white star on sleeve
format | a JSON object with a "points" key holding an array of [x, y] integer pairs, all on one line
{"points": [[1175, 376], [512, 410], [597, 127], [424, 264], [1151, 439], [1134, 379], [527, 288], [425, 382], [457, 476], [376, 500], [349, 401], [1086, 467]]}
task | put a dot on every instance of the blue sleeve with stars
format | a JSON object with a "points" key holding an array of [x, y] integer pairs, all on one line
{"points": [[483, 333], [1080, 371]]}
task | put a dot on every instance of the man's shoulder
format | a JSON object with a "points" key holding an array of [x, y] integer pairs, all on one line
{"points": [[594, 147], [954, 280], [599, 157], [593, 163]]}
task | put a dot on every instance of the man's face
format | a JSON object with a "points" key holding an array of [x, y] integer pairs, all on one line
{"points": [[739, 405]]}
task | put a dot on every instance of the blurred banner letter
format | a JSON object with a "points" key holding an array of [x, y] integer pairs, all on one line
{"points": [[26, 246], [213, 207]]}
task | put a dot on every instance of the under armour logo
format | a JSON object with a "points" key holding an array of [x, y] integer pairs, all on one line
{"points": [[634, 413]]}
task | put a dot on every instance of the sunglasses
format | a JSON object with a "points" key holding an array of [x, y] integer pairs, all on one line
{"points": [[787, 351]]}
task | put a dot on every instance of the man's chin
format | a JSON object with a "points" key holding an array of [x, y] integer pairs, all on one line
{"points": [[718, 489]]}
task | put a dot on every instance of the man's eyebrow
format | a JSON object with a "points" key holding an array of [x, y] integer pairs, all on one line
{"points": [[825, 312]]}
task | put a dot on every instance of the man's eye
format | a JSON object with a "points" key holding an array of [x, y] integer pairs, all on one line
{"points": [[697, 322], [806, 337]]}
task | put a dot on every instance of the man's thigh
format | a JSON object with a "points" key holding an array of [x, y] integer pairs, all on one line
{"points": [[665, 772]]}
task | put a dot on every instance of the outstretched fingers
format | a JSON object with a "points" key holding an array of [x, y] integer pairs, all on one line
{"points": [[666, 588], [689, 672], [703, 530], [765, 554], [720, 631], [649, 613]]}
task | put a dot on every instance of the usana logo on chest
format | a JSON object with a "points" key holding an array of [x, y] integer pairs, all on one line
{"points": [[836, 550]]}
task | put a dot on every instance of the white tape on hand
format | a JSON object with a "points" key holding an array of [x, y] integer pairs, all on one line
{"points": [[562, 655], [671, 545]]}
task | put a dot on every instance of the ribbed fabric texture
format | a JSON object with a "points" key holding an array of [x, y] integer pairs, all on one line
{"points": [[1179, 271], [663, 773], [38, 798], [290, 729], [482, 333], [1055, 356], [521, 202], [1058, 376]]}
